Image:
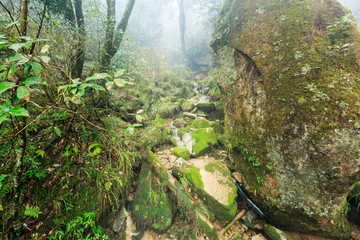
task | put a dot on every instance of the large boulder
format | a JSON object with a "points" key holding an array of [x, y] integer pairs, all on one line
{"points": [[203, 140], [152, 207], [212, 181], [289, 80]]}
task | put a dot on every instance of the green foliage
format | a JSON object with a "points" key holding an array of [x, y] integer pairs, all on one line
{"points": [[32, 211], [81, 228]]}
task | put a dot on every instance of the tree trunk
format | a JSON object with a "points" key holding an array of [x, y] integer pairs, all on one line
{"points": [[114, 37], [121, 27], [182, 24], [24, 17], [79, 57], [69, 12]]}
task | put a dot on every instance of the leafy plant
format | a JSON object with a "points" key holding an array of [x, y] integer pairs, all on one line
{"points": [[343, 104], [32, 211], [298, 55], [81, 228], [305, 69]]}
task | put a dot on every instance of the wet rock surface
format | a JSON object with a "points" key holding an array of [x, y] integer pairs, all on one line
{"points": [[290, 119]]}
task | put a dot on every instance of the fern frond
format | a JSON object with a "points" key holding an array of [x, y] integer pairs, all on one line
{"points": [[32, 211]]}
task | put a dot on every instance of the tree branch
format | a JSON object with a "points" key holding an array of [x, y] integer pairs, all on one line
{"points": [[12, 19], [40, 27]]}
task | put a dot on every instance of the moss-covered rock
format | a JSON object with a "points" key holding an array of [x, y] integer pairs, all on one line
{"points": [[289, 80], [206, 107], [213, 182], [275, 234], [181, 153], [187, 106], [200, 123], [155, 136], [152, 207], [204, 139], [179, 123]]}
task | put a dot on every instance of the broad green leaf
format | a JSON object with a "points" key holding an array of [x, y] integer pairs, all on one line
{"points": [[5, 86], [19, 58], [57, 131], [98, 76], [139, 118], [26, 38], [3, 118], [19, 111], [45, 48], [22, 92], [137, 125], [120, 82], [45, 59], [2, 36], [97, 87], [33, 80], [130, 130], [11, 71], [1, 207], [36, 67], [119, 73], [102, 75], [3, 42], [5, 107], [16, 46], [40, 153], [109, 85]]}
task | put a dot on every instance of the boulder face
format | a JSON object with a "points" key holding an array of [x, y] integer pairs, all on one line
{"points": [[289, 79]]}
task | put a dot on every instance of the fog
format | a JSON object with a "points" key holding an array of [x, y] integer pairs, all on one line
{"points": [[354, 6]]}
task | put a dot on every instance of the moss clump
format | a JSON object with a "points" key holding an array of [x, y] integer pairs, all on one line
{"points": [[200, 123], [204, 138], [187, 106], [181, 153], [152, 206], [217, 167], [275, 234], [192, 174], [179, 123]]}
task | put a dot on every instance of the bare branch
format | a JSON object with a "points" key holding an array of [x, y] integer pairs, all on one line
{"points": [[12, 19]]}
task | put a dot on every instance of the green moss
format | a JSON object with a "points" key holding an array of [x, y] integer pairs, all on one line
{"points": [[181, 153], [206, 107], [204, 138], [152, 206], [200, 123], [214, 166], [273, 234], [192, 173], [357, 186]]}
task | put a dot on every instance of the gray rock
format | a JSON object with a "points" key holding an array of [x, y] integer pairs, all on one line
{"points": [[292, 120]]}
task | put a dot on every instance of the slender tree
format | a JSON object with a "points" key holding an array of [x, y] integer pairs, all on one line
{"points": [[79, 56], [182, 24], [113, 37]]}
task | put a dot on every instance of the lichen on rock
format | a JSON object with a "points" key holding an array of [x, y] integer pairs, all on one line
{"points": [[289, 79]]}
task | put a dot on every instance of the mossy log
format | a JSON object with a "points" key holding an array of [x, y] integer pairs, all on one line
{"points": [[193, 210]]}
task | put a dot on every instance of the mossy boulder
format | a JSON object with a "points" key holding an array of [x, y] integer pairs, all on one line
{"points": [[154, 136], [289, 79], [212, 181], [187, 106], [152, 207], [179, 123], [200, 123], [207, 107], [181, 153], [204, 140]]}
